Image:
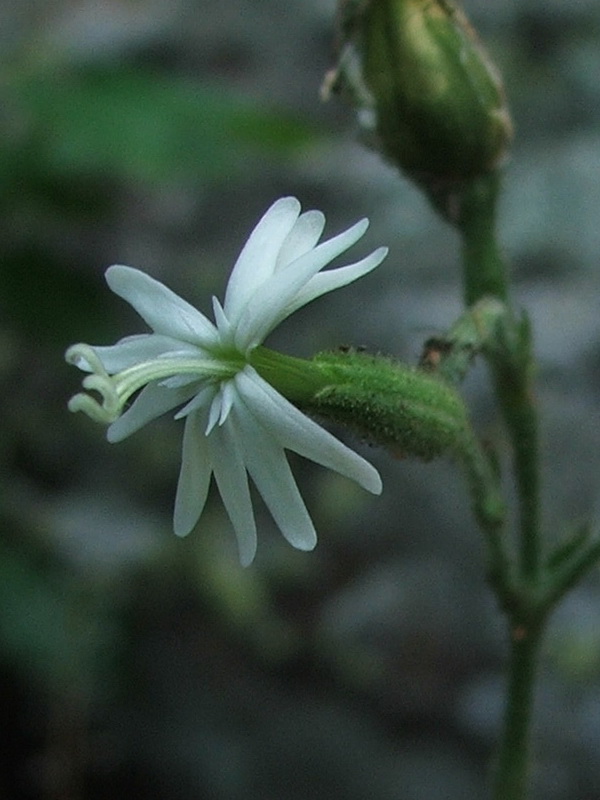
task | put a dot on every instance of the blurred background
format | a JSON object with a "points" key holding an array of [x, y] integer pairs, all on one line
{"points": [[155, 133]]}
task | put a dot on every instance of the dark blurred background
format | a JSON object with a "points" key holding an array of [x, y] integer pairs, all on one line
{"points": [[155, 133]]}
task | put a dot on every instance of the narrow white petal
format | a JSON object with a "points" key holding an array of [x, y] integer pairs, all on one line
{"points": [[297, 432], [230, 473], [164, 311], [269, 469], [214, 412], [332, 279], [223, 400], [203, 399], [152, 402], [194, 476], [177, 381], [264, 309], [134, 350], [223, 324], [257, 260], [302, 238], [228, 397]]}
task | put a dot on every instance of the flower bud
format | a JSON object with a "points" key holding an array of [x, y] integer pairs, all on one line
{"points": [[424, 85]]}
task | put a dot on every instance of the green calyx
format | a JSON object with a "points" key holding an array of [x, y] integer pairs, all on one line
{"points": [[392, 404], [400, 407], [436, 102]]}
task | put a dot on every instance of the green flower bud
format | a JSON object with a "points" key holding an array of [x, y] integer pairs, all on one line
{"points": [[423, 83], [400, 407]]}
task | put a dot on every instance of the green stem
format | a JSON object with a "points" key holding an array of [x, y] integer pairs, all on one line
{"points": [[513, 389], [510, 359], [489, 509], [485, 268], [564, 577], [511, 777], [485, 273], [528, 607]]}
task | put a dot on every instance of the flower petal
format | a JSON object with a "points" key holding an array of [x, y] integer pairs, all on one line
{"points": [[302, 238], [297, 432], [257, 260], [230, 473], [223, 324], [332, 279], [134, 350], [203, 399], [164, 311], [268, 466], [194, 476], [153, 401], [266, 308]]}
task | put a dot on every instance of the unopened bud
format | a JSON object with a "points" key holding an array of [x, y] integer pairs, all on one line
{"points": [[423, 84]]}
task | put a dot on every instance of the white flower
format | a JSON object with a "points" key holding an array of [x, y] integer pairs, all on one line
{"points": [[236, 422]]}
